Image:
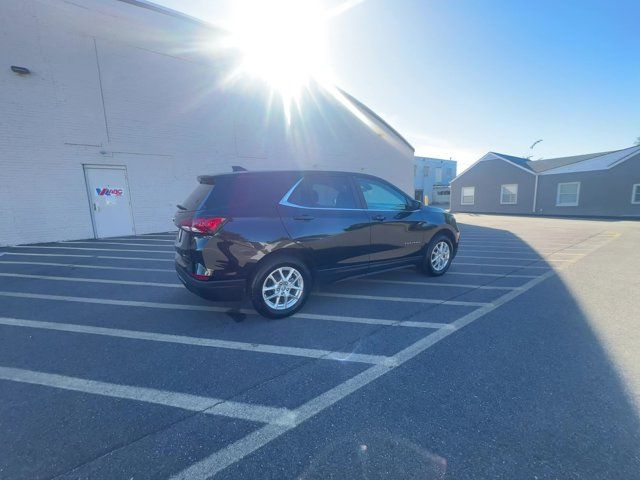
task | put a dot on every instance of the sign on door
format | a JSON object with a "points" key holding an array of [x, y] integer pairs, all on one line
{"points": [[109, 200]]}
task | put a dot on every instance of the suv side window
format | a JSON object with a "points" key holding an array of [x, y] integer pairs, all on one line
{"points": [[324, 191], [380, 196]]}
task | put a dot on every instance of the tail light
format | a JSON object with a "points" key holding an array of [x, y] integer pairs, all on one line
{"points": [[198, 276], [202, 225]]}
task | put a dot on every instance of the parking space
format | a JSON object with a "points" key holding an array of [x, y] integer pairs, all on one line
{"points": [[110, 368]]}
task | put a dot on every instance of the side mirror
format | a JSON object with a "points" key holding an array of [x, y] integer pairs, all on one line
{"points": [[414, 205]]}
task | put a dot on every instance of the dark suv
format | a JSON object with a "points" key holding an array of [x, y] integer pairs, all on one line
{"points": [[273, 234]]}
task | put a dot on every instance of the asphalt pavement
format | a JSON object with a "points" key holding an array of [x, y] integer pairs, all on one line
{"points": [[523, 361]]}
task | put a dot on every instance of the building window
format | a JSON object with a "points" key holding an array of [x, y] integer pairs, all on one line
{"points": [[468, 196], [635, 193], [509, 194], [425, 170], [438, 174], [448, 173], [568, 194]]}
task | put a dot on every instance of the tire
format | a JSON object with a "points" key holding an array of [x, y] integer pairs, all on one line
{"points": [[437, 263], [284, 279]]}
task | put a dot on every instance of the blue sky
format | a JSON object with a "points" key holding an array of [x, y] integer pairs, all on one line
{"points": [[460, 78]]}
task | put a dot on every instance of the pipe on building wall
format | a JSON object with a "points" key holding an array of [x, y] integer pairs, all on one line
{"points": [[535, 194]]}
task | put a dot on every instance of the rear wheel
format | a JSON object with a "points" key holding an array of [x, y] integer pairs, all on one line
{"points": [[280, 287], [438, 256]]}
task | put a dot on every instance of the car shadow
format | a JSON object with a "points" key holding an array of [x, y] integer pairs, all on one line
{"points": [[527, 391]]}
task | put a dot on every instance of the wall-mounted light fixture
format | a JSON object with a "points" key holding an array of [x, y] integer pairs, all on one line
{"points": [[20, 70]]}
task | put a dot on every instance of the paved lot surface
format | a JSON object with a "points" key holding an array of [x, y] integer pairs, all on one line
{"points": [[522, 362]]}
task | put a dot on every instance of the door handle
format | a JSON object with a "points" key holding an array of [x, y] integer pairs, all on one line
{"points": [[303, 217], [379, 218]]}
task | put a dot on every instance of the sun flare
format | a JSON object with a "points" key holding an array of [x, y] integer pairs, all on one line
{"points": [[282, 42]]}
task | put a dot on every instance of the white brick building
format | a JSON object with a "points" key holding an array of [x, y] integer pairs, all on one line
{"points": [[129, 84]]}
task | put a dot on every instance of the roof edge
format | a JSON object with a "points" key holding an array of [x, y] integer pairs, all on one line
{"points": [[633, 152], [491, 155], [170, 12], [376, 117], [499, 156]]}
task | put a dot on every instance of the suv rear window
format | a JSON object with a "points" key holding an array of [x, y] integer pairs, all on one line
{"points": [[196, 198], [255, 193]]}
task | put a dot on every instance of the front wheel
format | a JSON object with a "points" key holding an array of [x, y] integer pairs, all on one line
{"points": [[280, 287], [438, 256]]}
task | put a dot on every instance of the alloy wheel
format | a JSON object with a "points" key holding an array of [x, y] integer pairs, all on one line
{"points": [[440, 256], [282, 288]]}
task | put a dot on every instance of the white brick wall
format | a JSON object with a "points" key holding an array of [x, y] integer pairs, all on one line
{"points": [[168, 116]]}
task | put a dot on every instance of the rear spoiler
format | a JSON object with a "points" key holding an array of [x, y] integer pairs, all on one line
{"points": [[210, 179], [206, 179]]}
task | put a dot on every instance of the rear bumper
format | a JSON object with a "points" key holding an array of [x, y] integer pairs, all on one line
{"points": [[212, 289]]}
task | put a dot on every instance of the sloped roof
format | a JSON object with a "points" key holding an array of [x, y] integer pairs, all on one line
{"points": [[539, 166], [377, 117], [523, 162]]}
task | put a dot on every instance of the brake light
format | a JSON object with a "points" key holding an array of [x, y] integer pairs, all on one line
{"points": [[200, 277], [202, 225]]}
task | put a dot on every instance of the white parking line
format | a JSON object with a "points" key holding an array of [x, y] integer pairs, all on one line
{"points": [[92, 280], [524, 259], [194, 403], [92, 267], [401, 299], [514, 235], [179, 285], [236, 451], [109, 257], [118, 243], [93, 249], [484, 274], [513, 245], [435, 284], [200, 342], [503, 251], [212, 308], [49, 254], [107, 267], [568, 253], [497, 265], [151, 259], [532, 260], [371, 321]]}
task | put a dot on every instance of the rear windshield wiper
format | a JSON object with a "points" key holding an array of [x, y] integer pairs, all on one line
{"points": [[181, 207]]}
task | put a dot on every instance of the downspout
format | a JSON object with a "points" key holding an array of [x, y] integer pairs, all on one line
{"points": [[535, 194]]}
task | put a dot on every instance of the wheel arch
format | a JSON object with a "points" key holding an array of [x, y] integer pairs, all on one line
{"points": [[450, 236], [300, 253]]}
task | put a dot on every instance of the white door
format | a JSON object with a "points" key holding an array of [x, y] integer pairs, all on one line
{"points": [[109, 200]]}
